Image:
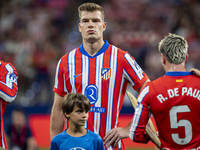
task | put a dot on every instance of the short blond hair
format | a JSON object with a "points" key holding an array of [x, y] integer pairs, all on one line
{"points": [[90, 7], [174, 48]]}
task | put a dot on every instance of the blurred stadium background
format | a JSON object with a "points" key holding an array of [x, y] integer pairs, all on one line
{"points": [[34, 34]]}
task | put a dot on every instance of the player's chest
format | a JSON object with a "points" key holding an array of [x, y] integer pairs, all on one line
{"points": [[93, 69]]}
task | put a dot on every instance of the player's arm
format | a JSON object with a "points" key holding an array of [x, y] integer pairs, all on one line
{"points": [[57, 120], [140, 119], [137, 78], [139, 89], [116, 134], [8, 82]]}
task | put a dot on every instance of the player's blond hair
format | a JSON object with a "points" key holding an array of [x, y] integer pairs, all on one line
{"points": [[90, 7], [71, 100], [174, 48]]}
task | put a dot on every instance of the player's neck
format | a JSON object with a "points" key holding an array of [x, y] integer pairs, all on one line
{"points": [[76, 131], [179, 67], [94, 47]]}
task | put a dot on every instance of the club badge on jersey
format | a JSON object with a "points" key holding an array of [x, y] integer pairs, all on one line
{"points": [[106, 73]]}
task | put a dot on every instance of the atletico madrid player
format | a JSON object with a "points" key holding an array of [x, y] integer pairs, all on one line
{"points": [[101, 72], [174, 100], [8, 92]]}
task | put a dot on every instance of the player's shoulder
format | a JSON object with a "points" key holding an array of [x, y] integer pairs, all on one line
{"points": [[152, 84], [158, 80], [4, 64], [67, 54], [122, 53], [114, 47]]}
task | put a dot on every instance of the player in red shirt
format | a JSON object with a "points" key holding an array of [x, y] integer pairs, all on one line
{"points": [[101, 72], [8, 92], [174, 101]]}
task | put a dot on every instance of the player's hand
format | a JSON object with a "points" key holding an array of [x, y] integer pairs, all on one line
{"points": [[195, 71], [115, 135]]}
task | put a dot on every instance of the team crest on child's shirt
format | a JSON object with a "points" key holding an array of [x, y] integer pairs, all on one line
{"points": [[105, 73]]}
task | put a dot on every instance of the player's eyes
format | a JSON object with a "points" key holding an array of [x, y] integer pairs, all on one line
{"points": [[85, 20], [93, 20], [96, 20]]}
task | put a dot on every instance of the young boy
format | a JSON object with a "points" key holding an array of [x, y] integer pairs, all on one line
{"points": [[75, 107]]}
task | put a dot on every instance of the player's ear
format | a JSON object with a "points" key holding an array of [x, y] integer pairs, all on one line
{"points": [[163, 59], [79, 27], [104, 26], [186, 59]]}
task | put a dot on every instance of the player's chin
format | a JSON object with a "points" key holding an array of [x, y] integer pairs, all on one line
{"points": [[91, 39]]}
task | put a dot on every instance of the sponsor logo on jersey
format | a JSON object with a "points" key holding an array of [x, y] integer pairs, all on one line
{"points": [[77, 75], [91, 92], [98, 109], [77, 148]]}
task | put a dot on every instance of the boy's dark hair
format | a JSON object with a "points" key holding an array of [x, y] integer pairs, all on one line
{"points": [[75, 99]]}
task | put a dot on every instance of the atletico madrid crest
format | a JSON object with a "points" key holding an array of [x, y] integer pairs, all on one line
{"points": [[105, 73]]}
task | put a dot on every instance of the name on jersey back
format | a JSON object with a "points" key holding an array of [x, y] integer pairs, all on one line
{"points": [[185, 91]]}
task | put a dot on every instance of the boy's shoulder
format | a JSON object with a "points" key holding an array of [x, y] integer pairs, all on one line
{"points": [[94, 135], [59, 136]]}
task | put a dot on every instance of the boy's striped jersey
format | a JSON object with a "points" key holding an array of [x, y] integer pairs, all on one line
{"points": [[8, 92], [174, 101], [103, 79]]}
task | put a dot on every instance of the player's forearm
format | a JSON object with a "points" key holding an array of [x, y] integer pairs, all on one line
{"points": [[56, 123], [138, 126], [7, 94]]}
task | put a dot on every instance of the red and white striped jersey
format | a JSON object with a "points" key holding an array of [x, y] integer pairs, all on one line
{"points": [[174, 101], [103, 79], [8, 92]]}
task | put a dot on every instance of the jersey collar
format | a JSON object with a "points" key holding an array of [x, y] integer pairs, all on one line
{"points": [[103, 49], [178, 73]]}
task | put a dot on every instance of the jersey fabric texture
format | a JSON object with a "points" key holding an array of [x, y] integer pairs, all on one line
{"points": [[103, 79], [174, 101], [89, 141], [8, 92]]}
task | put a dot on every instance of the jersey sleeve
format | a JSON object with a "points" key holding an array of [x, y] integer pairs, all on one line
{"points": [[59, 85], [8, 82], [53, 145], [141, 116], [135, 75], [100, 145]]}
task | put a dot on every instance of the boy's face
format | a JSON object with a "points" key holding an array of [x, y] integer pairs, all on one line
{"points": [[78, 116]]}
